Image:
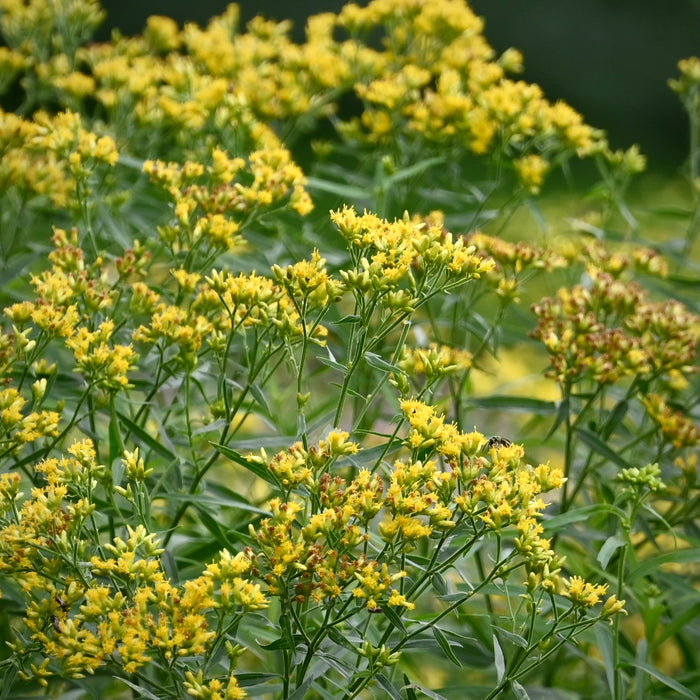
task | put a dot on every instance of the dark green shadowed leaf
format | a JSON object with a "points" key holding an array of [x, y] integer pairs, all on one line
{"points": [[597, 445], [394, 618], [412, 170], [141, 692], [578, 515], [259, 470], [515, 404], [213, 526], [147, 440], [342, 189], [649, 566], [445, 646], [245, 680], [388, 686], [669, 682], [410, 693], [615, 419]]}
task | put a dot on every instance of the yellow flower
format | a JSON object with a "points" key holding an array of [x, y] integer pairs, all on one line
{"points": [[582, 593], [531, 170]]}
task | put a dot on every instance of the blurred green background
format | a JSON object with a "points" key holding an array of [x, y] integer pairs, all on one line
{"points": [[610, 59]]}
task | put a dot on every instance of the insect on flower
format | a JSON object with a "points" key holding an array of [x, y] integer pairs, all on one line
{"points": [[498, 441], [61, 603], [56, 623]]}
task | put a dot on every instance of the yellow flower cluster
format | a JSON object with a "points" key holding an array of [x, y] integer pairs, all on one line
{"points": [[71, 297], [513, 261], [434, 362], [42, 28], [687, 85], [49, 155], [403, 258], [322, 553], [618, 261], [211, 204], [442, 82], [301, 466], [123, 610], [435, 80], [17, 427], [237, 302], [346, 531], [611, 330], [677, 428]]}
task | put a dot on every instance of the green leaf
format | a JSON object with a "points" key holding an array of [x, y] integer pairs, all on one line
{"points": [[519, 692], [245, 680], [394, 618], [341, 639], [615, 418], [679, 621], [147, 439], [671, 211], [8, 680], [513, 638], [445, 646], [221, 495], [259, 396], [691, 282], [499, 659], [423, 691], [663, 678], [259, 470], [411, 170], [213, 526], [438, 582], [282, 643], [332, 363], [563, 410], [563, 520], [131, 162], [141, 692], [640, 656], [516, 404], [374, 360], [116, 446], [342, 189], [410, 693], [300, 692], [648, 566], [389, 687], [597, 445], [118, 470], [610, 546], [604, 637], [350, 318]]}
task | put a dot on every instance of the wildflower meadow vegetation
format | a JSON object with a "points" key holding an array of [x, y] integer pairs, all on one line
{"points": [[304, 391]]}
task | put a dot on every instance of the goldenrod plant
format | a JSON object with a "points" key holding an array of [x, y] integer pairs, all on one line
{"points": [[257, 297]]}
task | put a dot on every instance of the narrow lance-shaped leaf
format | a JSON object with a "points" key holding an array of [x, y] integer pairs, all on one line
{"points": [[259, 470]]}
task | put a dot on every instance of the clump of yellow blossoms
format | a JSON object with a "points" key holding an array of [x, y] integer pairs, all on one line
{"points": [[316, 546], [316, 542], [212, 204], [610, 330], [121, 607], [51, 155]]}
